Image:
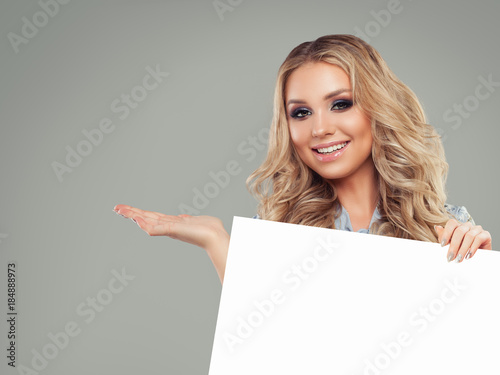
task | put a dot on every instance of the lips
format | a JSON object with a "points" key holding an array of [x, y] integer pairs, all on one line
{"points": [[338, 149], [328, 148]]}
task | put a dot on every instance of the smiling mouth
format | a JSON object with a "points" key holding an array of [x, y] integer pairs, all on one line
{"points": [[331, 149]]}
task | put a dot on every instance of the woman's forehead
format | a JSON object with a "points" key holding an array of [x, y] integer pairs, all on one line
{"points": [[315, 80]]}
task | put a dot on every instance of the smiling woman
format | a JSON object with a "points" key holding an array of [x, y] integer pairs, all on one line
{"points": [[329, 128], [349, 148], [332, 136]]}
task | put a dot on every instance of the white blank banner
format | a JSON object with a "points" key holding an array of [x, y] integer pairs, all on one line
{"points": [[304, 300]]}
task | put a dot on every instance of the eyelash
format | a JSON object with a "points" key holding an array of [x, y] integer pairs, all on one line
{"points": [[347, 104]]}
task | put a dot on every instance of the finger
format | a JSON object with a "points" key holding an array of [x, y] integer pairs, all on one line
{"points": [[456, 240], [156, 227], [129, 212], [439, 230], [481, 241], [118, 206], [449, 228], [467, 241], [486, 245]]}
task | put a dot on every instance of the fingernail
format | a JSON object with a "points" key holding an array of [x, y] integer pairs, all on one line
{"points": [[468, 255], [450, 257], [459, 258], [443, 242]]}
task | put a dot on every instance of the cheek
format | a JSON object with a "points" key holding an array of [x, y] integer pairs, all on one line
{"points": [[368, 132], [298, 135], [362, 129], [368, 143]]}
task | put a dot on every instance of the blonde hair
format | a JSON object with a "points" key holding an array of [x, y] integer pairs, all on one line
{"points": [[406, 151]]}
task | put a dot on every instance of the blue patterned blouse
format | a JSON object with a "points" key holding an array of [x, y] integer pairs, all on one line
{"points": [[343, 222]]}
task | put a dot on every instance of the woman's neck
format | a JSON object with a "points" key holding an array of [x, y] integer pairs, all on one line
{"points": [[359, 195]]}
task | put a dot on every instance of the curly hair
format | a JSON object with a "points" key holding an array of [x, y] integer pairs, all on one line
{"points": [[407, 152]]}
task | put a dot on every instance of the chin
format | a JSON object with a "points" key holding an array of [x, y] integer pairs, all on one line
{"points": [[331, 176]]}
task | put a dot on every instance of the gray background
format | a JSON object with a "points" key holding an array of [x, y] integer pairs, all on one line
{"points": [[63, 235]]}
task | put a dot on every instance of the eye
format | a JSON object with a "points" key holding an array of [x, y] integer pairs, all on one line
{"points": [[300, 113], [339, 105]]}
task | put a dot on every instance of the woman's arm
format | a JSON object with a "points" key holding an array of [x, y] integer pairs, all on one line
{"points": [[206, 232]]}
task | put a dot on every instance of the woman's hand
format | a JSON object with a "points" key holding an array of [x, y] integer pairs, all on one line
{"points": [[206, 232], [464, 239]]}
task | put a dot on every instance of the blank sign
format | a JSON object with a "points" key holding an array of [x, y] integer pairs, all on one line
{"points": [[305, 300]]}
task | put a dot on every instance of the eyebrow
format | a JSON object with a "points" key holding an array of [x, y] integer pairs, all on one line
{"points": [[326, 97]]}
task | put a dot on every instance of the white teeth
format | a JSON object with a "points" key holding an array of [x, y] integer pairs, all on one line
{"points": [[329, 150]]}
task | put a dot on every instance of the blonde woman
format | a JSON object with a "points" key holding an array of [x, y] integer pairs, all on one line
{"points": [[350, 149]]}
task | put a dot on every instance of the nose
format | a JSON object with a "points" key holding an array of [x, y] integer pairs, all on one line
{"points": [[322, 125]]}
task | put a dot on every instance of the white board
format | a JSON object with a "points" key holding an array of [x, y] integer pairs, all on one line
{"points": [[305, 300]]}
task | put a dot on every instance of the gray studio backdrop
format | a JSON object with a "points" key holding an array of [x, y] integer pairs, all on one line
{"points": [[144, 103]]}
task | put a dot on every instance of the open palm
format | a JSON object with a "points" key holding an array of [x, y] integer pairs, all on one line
{"points": [[206, 232]]}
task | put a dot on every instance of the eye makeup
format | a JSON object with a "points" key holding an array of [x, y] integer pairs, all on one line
{"points": [[337, 105]]}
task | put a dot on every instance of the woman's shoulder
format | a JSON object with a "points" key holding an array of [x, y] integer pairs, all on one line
{"points": [[460, 213]]}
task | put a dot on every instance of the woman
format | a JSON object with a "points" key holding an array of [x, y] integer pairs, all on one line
{"points": [[349, 148]]}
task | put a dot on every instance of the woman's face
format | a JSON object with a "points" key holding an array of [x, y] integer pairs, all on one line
{"points": [[330, 133]]}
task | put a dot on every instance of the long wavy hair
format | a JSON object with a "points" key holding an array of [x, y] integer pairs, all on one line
{"points": [[407, 152]]}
